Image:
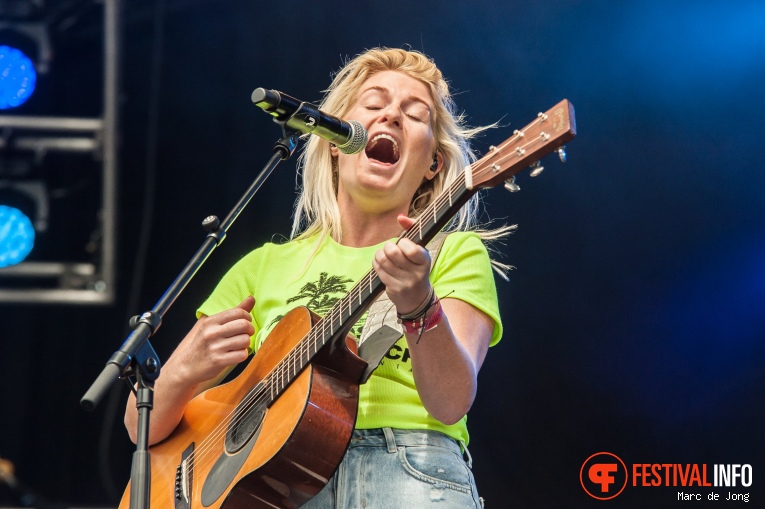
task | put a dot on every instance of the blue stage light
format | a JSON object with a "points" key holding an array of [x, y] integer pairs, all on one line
{"points": [[17, 77], [17, 236]]}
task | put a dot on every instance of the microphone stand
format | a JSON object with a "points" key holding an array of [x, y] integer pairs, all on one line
{"points": [[136, 357]]}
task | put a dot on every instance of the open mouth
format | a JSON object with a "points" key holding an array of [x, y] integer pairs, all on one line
{"points": [[383, 148]]}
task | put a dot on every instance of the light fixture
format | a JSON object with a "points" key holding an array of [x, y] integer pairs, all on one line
{"points": [[17, 236], [23, 208], [17, 77], [58, 149], [25, 50]]}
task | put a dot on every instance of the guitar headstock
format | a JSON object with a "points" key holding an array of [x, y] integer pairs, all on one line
{"points": [[547, 133]]}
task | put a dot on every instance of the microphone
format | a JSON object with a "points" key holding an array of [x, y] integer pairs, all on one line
{"points": [[350, 137]]}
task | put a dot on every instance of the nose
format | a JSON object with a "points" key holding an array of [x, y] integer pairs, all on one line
{"points": [[391, 114]]}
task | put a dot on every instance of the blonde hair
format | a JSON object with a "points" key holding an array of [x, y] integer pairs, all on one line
{"points": [[316, 209]]}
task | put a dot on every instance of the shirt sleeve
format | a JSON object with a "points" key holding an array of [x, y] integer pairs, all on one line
{"points": [[463, 271], [238, 283]]}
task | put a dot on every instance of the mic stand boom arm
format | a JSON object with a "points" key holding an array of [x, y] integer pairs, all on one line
{"points": [[137, 357]]}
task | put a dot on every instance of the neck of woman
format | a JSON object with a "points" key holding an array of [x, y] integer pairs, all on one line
{"points": [[362, 230]]}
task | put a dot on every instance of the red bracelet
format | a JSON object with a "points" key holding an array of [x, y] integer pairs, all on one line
{"points": [[421, 325]]}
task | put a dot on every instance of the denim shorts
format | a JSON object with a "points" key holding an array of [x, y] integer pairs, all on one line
{"points": [[400, 469]]}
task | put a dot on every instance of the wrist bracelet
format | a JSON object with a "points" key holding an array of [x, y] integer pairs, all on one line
{"points": [[421, 325], [421, 309]]}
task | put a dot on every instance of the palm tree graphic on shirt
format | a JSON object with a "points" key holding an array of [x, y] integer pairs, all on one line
{"points": [[322, 295]]}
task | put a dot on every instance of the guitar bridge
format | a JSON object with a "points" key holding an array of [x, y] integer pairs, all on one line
{"points": [[184, 475]]}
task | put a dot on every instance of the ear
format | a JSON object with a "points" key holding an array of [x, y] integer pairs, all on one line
{"points": [[333, 150], [431, 173]]}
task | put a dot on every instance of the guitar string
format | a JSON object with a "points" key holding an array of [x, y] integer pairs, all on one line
{"points": [[289, 361]]}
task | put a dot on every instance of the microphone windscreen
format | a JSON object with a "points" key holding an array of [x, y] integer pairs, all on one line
{"points": [[357, 140]]}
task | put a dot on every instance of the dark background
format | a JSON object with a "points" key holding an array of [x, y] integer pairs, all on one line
{"points": [[635, 314]]}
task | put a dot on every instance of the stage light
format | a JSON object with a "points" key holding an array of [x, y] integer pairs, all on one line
{"points": [[25, 50], [58, 151], [23, 217], [17, 77], [17, 236]]}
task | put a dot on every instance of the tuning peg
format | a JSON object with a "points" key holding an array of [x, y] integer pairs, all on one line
{"points": [[511, 186], [562, 154], [536, 169]]}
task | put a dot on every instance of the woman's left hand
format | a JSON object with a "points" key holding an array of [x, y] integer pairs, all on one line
{"points": [[403, 268]]}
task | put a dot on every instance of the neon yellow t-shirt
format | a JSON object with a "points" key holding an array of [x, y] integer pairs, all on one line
{"points": [[277, 276]]}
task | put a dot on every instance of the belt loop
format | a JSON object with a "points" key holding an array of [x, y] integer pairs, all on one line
{"points": [[390, 440], [467, 453]]}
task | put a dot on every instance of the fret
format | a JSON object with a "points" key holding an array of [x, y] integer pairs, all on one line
{"points": [[275, 382], [306, 347], [349, 306], [321, 331], [290, 371]]}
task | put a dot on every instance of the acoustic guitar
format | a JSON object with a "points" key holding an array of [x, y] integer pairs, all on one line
{"points": [[274, 435]]}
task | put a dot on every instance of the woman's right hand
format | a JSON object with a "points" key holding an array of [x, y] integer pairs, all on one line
{"points": [[215, 343], [208, 352]]}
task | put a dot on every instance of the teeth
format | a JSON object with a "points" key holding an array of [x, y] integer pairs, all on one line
{"points": [[387, 137]]}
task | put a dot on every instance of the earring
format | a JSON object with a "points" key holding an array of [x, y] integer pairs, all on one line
{"points": [[434, 166]]}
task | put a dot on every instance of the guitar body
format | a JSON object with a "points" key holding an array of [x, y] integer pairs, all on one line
{"points": [[294, 445]]}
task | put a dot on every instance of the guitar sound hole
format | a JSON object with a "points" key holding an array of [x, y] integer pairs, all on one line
{"points": [[244, 426]]}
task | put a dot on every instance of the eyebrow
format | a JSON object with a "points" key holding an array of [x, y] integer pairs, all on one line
{"points": [[383, 90]]}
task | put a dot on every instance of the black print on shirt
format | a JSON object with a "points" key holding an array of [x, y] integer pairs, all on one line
{"points": [[399, 355], [322, 295]]}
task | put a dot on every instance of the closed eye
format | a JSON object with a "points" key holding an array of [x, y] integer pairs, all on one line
{"points": [[417, 111]]}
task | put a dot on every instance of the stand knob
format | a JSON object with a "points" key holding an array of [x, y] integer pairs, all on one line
{"points": [[210, 223]]}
